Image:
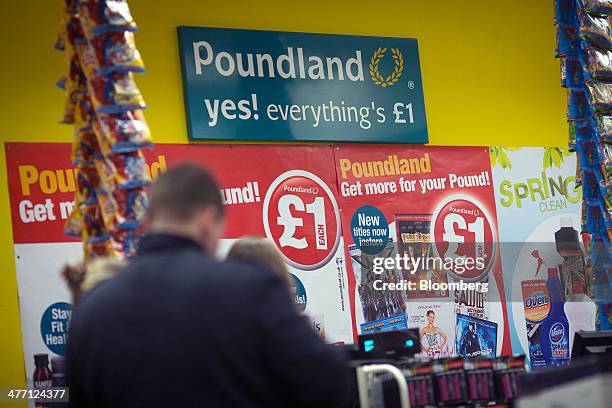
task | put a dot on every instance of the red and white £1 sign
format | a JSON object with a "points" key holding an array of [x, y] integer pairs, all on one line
{"points": [[300, 215], [464, 236]]}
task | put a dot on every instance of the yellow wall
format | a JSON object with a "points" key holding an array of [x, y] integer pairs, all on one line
{"points": [[488, 72]]}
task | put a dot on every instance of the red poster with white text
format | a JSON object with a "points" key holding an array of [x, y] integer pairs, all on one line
{"points": [[420, 230], [285, 193]]}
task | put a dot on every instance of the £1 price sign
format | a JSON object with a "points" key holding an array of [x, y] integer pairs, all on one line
{"points": [[464, 237], [300, 215]]}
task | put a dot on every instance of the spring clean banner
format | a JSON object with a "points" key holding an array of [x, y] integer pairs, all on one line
{"points": [[284, 86], [538, 205]]}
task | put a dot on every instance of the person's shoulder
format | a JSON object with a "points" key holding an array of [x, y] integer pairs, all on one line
{"points": [[229, 270], [95, 301]]}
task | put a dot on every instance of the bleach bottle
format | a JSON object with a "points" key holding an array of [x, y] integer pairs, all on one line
{"points": [[555, 328]]}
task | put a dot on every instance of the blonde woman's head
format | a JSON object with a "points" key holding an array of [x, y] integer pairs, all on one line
{"points": [[261, 251]]}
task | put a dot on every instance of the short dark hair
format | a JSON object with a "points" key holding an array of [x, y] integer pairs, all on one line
{"points": [[183, 190]]}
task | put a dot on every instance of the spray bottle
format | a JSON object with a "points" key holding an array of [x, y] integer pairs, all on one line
{"points": [[555, 328]]}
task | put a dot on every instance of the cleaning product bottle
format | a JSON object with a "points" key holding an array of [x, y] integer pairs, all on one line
{"points": [[572, 269], [555, 328], [581, 313], [536, 304]]}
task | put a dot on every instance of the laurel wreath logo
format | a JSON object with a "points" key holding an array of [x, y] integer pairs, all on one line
{"points": [[376, 76]]}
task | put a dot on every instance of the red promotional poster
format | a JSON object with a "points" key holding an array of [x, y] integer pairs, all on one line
{"points": [[285, 193], [420, 231]]}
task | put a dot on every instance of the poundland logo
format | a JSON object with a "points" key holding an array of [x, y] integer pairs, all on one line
{"points": [[295, 63]]}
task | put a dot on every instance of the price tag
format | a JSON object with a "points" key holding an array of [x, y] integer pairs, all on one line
{"points": [[300, 215], [463, 232]]}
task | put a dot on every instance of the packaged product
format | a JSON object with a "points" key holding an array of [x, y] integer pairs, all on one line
{"points": [[84, 114], [577, 104], [600, 95], [124, 240], [603, 127], [122, 170], [597, 7], [74, 31], [117, 52], [571, 143], [87, 183], [74, 223], [597, 63], [102, 16], [565, 12], [567, 41], [95, 230], [122, 132], [84, 147], [123, 208], [115, 93], [99, 248], [596, 29], [573, 72]]}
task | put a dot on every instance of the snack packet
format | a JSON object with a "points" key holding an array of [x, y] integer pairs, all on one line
{"points": [[130, 169], [87, 59], [60, 40], [87, 183], [579, 171], [84, 114], [106, 172], [115, 93], [123, 208], [577, 104], [132, 205], [99, 248], [597, 64], [94, 228], [102, 16], [571, 143], [108, 208], [589, 186], [74, 223], [583, 130], [573, 72], [125, 240], [603, 125], [122, 170], [74, 31], [122, 132], [598, 7], [567, 41], [596, 29], [600, 95], [565, 12], [84, 147], [117, 52]]}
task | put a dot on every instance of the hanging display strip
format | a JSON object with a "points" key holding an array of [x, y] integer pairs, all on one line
{"points": [[105, 107], [584, 45]]}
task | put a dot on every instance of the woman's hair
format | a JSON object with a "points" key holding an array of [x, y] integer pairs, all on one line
{"points": [[261, 251], [80, 278]]}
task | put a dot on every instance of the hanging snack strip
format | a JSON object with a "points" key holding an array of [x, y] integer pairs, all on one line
{"points": [[584, 46], [105, 106]]}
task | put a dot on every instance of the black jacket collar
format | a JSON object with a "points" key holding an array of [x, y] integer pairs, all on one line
{"points": [[158, 242]]}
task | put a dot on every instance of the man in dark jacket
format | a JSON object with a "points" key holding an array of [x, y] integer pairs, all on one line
{"points": [[177, 328]]}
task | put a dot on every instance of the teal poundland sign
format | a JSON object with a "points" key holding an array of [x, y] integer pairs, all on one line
{"points": [[279, 86]]}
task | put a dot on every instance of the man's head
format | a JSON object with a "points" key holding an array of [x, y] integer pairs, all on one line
{"points": [[186, 201]]}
